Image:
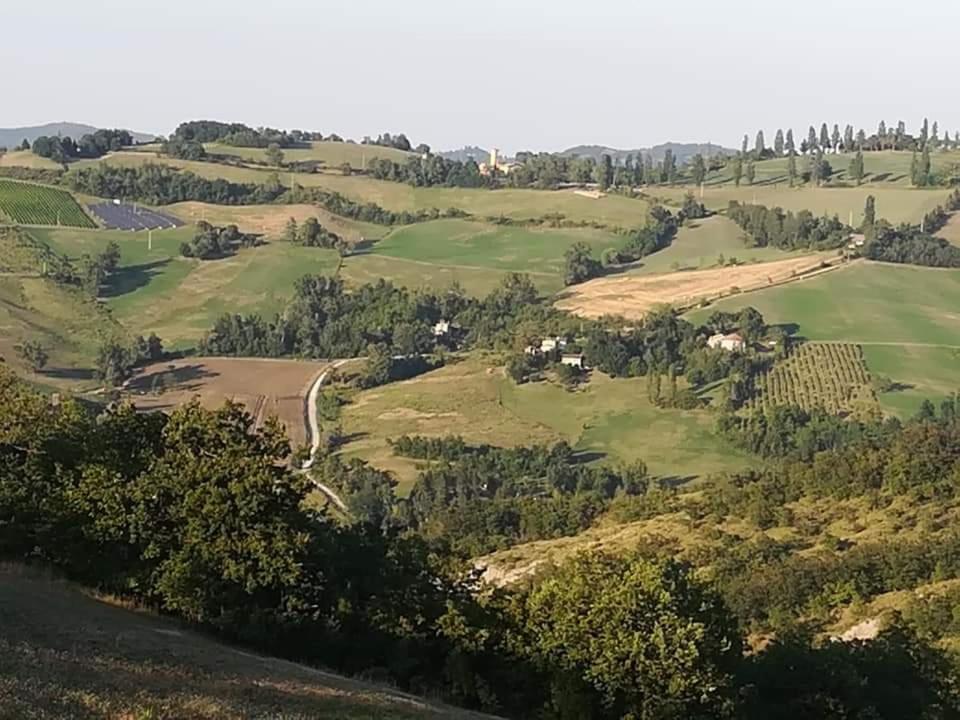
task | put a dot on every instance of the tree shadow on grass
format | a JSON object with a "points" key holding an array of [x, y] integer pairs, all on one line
{"points": [[584, 457], [675, 481], [184, 377], [68, 373], [132, 277]]}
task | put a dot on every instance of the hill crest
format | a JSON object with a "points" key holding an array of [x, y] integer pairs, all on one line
{"points": [[12, 137]]}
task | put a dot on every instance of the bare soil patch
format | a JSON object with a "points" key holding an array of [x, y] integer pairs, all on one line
{"points": [[634, 296], [266, 387]]}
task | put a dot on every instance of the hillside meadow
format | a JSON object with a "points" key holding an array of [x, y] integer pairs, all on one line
{"points": [[332, 154], [610, 420]]}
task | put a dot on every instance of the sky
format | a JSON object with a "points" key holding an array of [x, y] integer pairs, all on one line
{"points": [[513, 74]]}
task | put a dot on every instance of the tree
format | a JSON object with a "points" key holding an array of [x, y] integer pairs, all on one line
{"points": [[778, 143], [856, 167], [935, 135], [835, 138], [274, 155], [744, 145], [848, 139], [759, 146], [291, 232], [648, 638], [882, 134], [861, 139], [34, 354], [25, 145], [924, 132], [114, 363], [869, 214], [790, 146], [605, 172], [110, 258], [580, 265], [824, 137], [751, 172], [737, 170], [698, 169], [812, 139], [792, 168]]}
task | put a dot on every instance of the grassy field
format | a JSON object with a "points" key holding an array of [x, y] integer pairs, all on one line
{"points": [[30, 204], [894, 203], [332, 154], [612, 210], [26, 158], [473, 398], [905, 318], [880, 168], [270, 220], [698, 246], [65, 653], [472, 244]]}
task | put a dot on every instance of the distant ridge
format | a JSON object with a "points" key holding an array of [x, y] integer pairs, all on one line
{"points": [[470, 152], [11, 137], [681, 151]]}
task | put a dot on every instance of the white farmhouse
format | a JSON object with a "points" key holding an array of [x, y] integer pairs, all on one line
{"points": [[573, 361], [441, 328], [733, 342]]}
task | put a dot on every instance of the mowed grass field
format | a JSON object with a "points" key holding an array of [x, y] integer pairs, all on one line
{"points": [[66, 653], [698, 246], [472, 244], [332, 154], [613, 210], [894, 203], [473, 398], [905, 317]]}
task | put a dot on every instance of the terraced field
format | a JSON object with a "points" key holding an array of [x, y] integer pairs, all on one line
{"points": [[29, 204]]}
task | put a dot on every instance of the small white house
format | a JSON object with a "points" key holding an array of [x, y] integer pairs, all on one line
{"points": [[573, 361], [551, 344], [441, 328], [733, 342]]}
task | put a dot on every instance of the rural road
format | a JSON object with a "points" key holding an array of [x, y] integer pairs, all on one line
{"points": [[313, 430]]}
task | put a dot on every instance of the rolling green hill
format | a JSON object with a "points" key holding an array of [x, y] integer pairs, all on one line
{"points": [[332, 154], [65, 653], [904, 317]]}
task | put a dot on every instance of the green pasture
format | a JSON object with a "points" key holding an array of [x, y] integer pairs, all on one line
{"points": [[472, 244], [473, 398]]}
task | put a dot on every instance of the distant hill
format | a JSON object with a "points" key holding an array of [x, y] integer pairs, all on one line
{"points": [[478, 154], [11, 137], [681, 151]]}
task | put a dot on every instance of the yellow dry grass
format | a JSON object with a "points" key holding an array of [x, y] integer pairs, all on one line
{"points": [[634, 296]]}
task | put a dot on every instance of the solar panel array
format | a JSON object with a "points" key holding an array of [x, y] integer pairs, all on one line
{"points": [[132, 217]]}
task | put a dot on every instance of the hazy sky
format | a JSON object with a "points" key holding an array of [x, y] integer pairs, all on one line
{"points": [[518, 74]]}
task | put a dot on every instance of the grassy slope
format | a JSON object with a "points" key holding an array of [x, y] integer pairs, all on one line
{"points": [[333, 154], [895, 203], [904, 316], [461, 242], [474, 399], [64, 654], [26, 158], [612, 210], [697, 247]]}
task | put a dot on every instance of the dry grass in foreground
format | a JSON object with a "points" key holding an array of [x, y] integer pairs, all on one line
{"points": [[64, 654], [633, 296]]}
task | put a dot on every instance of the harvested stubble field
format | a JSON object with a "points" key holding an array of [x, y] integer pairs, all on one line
{"points": [[634, 296], [265, 386]]}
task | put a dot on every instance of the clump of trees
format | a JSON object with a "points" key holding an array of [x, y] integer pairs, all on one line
{"points": [[908, 244], [774, 227], [430, 171], [312, 234], [117, 360], [211, 242], [92, 145]]}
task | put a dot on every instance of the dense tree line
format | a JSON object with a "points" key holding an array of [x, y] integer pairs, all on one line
{"points": [[908, 244], [773, 227], [91, 145], [240, 135], [312, 234], [196, 514], [429, 171], [324, 320], [211, 242], [398, 142]]}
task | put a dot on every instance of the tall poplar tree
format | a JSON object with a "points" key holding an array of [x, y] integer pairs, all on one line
{"points": [[790, 145], [778, 143], [824, 137], [812, 140], [760, 146], [856, 167], [792, 168], [835, 138]]}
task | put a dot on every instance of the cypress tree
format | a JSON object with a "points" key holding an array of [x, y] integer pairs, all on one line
{"points": [[848, 138], [760, 146], [824, 137], [856, 167], [791, 146], [737, 170], [778, 143], [812, 140], [792, 168], [751, 172], [835, 138]]}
